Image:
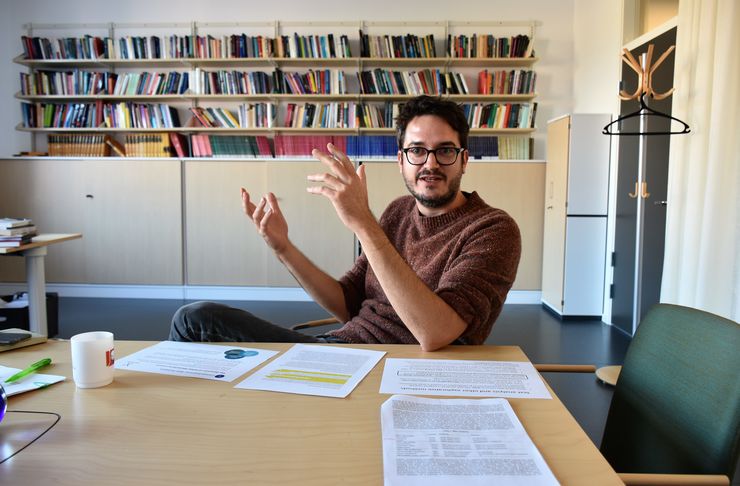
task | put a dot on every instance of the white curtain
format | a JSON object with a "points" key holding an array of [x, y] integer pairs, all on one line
{"points": [[702, 249]]}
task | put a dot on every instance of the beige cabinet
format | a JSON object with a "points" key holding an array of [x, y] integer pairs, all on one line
{"points": [[224, 248], [127, 210], [516, 187]]}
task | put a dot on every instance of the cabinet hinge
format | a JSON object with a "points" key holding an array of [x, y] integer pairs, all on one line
{"points": [[614, 258], [611, 291]]}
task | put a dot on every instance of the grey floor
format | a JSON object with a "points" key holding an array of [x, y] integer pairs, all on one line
{"points": [[544, 338]]}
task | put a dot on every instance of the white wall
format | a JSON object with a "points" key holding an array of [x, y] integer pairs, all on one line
{"points": [[554, 43]]}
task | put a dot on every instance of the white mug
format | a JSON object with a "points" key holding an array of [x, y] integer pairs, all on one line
{"points": [[92, 359]]}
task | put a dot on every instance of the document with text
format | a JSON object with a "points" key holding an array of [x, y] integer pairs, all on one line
{"points": [[196, 360], [327, 371], [446, 377], [449, 441]]}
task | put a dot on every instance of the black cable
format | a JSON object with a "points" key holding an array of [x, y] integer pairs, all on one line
{"points": [[59, 417]]}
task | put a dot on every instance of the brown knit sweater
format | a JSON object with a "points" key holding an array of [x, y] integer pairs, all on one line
{"points": [[468, 257]]}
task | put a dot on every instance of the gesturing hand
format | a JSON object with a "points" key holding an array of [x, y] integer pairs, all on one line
{"points": [[268, 219], [343, 186]]}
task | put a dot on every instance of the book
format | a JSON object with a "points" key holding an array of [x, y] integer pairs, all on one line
{"points": [[117, 147], [19, 231], [8, 223]]}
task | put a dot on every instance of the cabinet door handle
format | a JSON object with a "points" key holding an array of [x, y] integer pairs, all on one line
{"points": [[89, 196], [549, 207]]}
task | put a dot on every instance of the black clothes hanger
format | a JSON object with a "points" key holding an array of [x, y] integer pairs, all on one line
{"points": [[645, 72], [645, 110]]}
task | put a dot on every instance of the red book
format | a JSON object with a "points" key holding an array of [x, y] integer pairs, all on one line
{"points": [[176, 143]]}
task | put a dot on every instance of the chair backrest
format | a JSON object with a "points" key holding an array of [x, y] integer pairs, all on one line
{"points": [[676, 405]]}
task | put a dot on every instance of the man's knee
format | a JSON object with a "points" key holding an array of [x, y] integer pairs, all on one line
{"points": [[188, 320]]}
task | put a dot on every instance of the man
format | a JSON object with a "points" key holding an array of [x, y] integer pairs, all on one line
{"points": [[435, 269]]}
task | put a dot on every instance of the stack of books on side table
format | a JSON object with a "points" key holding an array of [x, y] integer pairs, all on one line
{"points": [[16, 232]]}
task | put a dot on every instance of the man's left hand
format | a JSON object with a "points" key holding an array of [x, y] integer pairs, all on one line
{"points": [[344, 187]]}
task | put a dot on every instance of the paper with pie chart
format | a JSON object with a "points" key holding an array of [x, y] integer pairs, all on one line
{"points": [[208, 361]]}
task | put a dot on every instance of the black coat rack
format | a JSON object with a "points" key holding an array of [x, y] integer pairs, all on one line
{"points": [[644, 70]]}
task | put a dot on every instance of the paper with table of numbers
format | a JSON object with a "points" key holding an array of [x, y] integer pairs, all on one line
{"points": [[450, 441]]}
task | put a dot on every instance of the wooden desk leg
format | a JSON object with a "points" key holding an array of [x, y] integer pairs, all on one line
{"points": [[36, 289]]}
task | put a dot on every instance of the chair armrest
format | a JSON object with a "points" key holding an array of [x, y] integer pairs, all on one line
{"points": [[634, 479], [316, 323], [564, 368]]}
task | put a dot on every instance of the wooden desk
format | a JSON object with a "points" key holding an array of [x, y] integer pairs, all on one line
{"points": [[154, 429], [34, 253]]}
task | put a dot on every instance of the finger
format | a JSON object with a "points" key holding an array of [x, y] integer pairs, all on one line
{"points": [[247, 206], [340, 156], [336, 166], [361, 173], [322, 190], [328, 180], [259, 211], [273, 202]]}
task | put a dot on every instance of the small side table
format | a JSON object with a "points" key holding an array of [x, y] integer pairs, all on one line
{"points": [[34, 254]]}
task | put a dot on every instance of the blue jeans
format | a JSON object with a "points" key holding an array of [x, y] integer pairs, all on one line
{"points": [[212, 322]]}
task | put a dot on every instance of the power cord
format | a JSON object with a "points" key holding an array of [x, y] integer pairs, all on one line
{"points": [[58, 418]]}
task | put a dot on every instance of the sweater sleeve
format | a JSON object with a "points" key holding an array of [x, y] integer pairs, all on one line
{"points": [[477, 280], [353, 286]]}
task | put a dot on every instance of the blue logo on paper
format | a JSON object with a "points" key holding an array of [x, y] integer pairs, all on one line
{"points": [[219, 376], [239, 353]]}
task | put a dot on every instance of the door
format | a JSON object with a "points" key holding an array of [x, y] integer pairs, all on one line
{"points": [[556, 189], [656, 176]]}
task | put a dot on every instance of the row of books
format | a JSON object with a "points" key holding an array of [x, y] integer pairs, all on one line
{"points": [[500, 115], [89, 83], [397, 46], [232, 82], [501, 147], [234, 46], [203, 145], [285, 46], [147, 145], [424, 81], [86, 47], [79, 145], [326, 81], [340, 115], [249, 115], [482, 46], [285, 146], [98, 114], [507, 82], [15, 232]]}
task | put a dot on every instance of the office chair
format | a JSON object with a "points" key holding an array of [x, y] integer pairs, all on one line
{"points": [[676, 404]]}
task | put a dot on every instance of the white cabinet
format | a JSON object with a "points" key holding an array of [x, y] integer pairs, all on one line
{"points": [[576, 194]]}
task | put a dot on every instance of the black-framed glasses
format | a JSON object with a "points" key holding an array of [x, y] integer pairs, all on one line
{"points": [[444, 155]]}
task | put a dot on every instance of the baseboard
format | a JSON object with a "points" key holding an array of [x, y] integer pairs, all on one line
{"points": [[191, 292]]}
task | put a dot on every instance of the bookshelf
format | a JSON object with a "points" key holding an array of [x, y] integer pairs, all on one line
{"points": [[58, 97], [197, 236]]}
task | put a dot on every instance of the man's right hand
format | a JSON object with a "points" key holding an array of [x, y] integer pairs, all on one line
{"points": [[268, 219]]}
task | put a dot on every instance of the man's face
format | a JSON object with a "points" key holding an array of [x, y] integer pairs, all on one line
{"points": [[436, 187]]}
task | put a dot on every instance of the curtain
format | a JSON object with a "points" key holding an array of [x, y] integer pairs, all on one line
{"points": [[702, 248]]}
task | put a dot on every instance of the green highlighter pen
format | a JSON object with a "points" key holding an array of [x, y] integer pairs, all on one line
{"points": [[31, 369]]}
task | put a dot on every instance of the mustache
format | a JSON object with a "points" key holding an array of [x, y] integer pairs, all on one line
{"points": [[428, 172]]}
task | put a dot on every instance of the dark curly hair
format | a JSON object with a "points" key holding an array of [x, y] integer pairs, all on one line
{"points": [[447, 110]]}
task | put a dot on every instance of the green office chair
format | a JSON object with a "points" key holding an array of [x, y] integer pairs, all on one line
{"points": [[676, 405]]}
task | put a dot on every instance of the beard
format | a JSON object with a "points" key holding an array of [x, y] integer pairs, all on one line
{"points": [[453, 187]]}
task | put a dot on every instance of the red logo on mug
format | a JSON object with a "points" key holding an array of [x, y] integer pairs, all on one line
{"points": [[109, 359]]}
